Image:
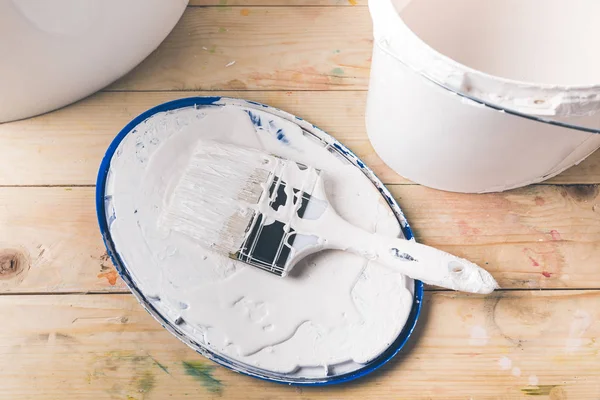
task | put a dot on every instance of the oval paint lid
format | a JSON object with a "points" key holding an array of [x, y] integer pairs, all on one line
{"points": [[240, 367]]}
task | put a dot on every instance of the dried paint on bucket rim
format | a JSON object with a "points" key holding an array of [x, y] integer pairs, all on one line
{"points": [[245, 369]]}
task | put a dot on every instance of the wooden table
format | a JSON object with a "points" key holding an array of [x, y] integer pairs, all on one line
{"points": [[71, 330]]}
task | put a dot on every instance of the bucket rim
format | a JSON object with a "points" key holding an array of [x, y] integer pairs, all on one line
{"points": [[569, 100]]}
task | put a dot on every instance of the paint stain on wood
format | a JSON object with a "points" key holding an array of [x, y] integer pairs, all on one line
{"points": [[534, 262], [223, 5], [146, 382], [161, 366], [14, 265], [353, 2], [465, 229], [581, 193], [123, 374], [111, 276], [235, 84], [337, 71], [204, 374], [547, 274], [539, 201], [509, 315], [540, 390], [245, 12], [555, 235]]}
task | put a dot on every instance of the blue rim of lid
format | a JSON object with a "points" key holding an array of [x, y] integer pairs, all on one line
{"points": [[242, 368]]}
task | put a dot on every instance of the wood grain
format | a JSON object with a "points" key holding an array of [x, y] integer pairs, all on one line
{"points": [[541, 236], [274, 48], [65, 147], [53, 234], [538, 237], [107, 347], [312, 58]]}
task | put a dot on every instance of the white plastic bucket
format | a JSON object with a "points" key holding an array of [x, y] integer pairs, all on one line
{"points": [[55, 52], [481, 96]]}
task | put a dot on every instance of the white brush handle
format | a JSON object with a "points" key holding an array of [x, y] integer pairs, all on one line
{"points": [[418, 261]]}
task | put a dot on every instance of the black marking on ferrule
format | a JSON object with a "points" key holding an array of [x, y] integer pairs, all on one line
{"points": [[263, 244]]}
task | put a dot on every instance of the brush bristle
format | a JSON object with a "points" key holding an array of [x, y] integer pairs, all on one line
{"points": [[210, 202]]}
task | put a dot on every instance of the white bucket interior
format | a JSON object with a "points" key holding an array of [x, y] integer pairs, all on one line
{"points": [[536, 41]]}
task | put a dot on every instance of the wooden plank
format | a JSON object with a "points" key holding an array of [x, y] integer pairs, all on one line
{"points": [[273, 48], [295, 3], [587, 172], [65, 147], [539, 237], [50, 242], [509, 345]]}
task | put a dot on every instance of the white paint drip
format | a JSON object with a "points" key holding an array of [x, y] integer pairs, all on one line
{"points": [[479, 336], [502, 69], [516, 371], [533, 380], [505, 363], [582, 320]]}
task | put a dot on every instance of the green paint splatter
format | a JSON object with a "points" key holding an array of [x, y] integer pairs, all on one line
{"points": [[203, 373], [159, 365], [221, 30], [68, 189], [337, 71], [223, 5], [337, 51], [147, 383], [212, 49], [540, 390]]}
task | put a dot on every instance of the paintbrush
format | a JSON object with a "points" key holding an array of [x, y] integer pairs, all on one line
{"points": [[270, 213]]}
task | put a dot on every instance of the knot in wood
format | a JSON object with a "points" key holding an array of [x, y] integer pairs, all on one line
{"points": [[12, 263]]}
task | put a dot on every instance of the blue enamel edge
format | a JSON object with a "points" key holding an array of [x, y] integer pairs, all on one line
{"points": [[382, 359]]}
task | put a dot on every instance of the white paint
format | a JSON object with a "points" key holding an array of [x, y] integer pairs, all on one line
{"points": [[516, 371], [479, 336], [336, 310], [432, 136], [519, 63], [225, 186], [581, 322], [533, 380], [58, 51], [505, 363], [229, 64]]}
